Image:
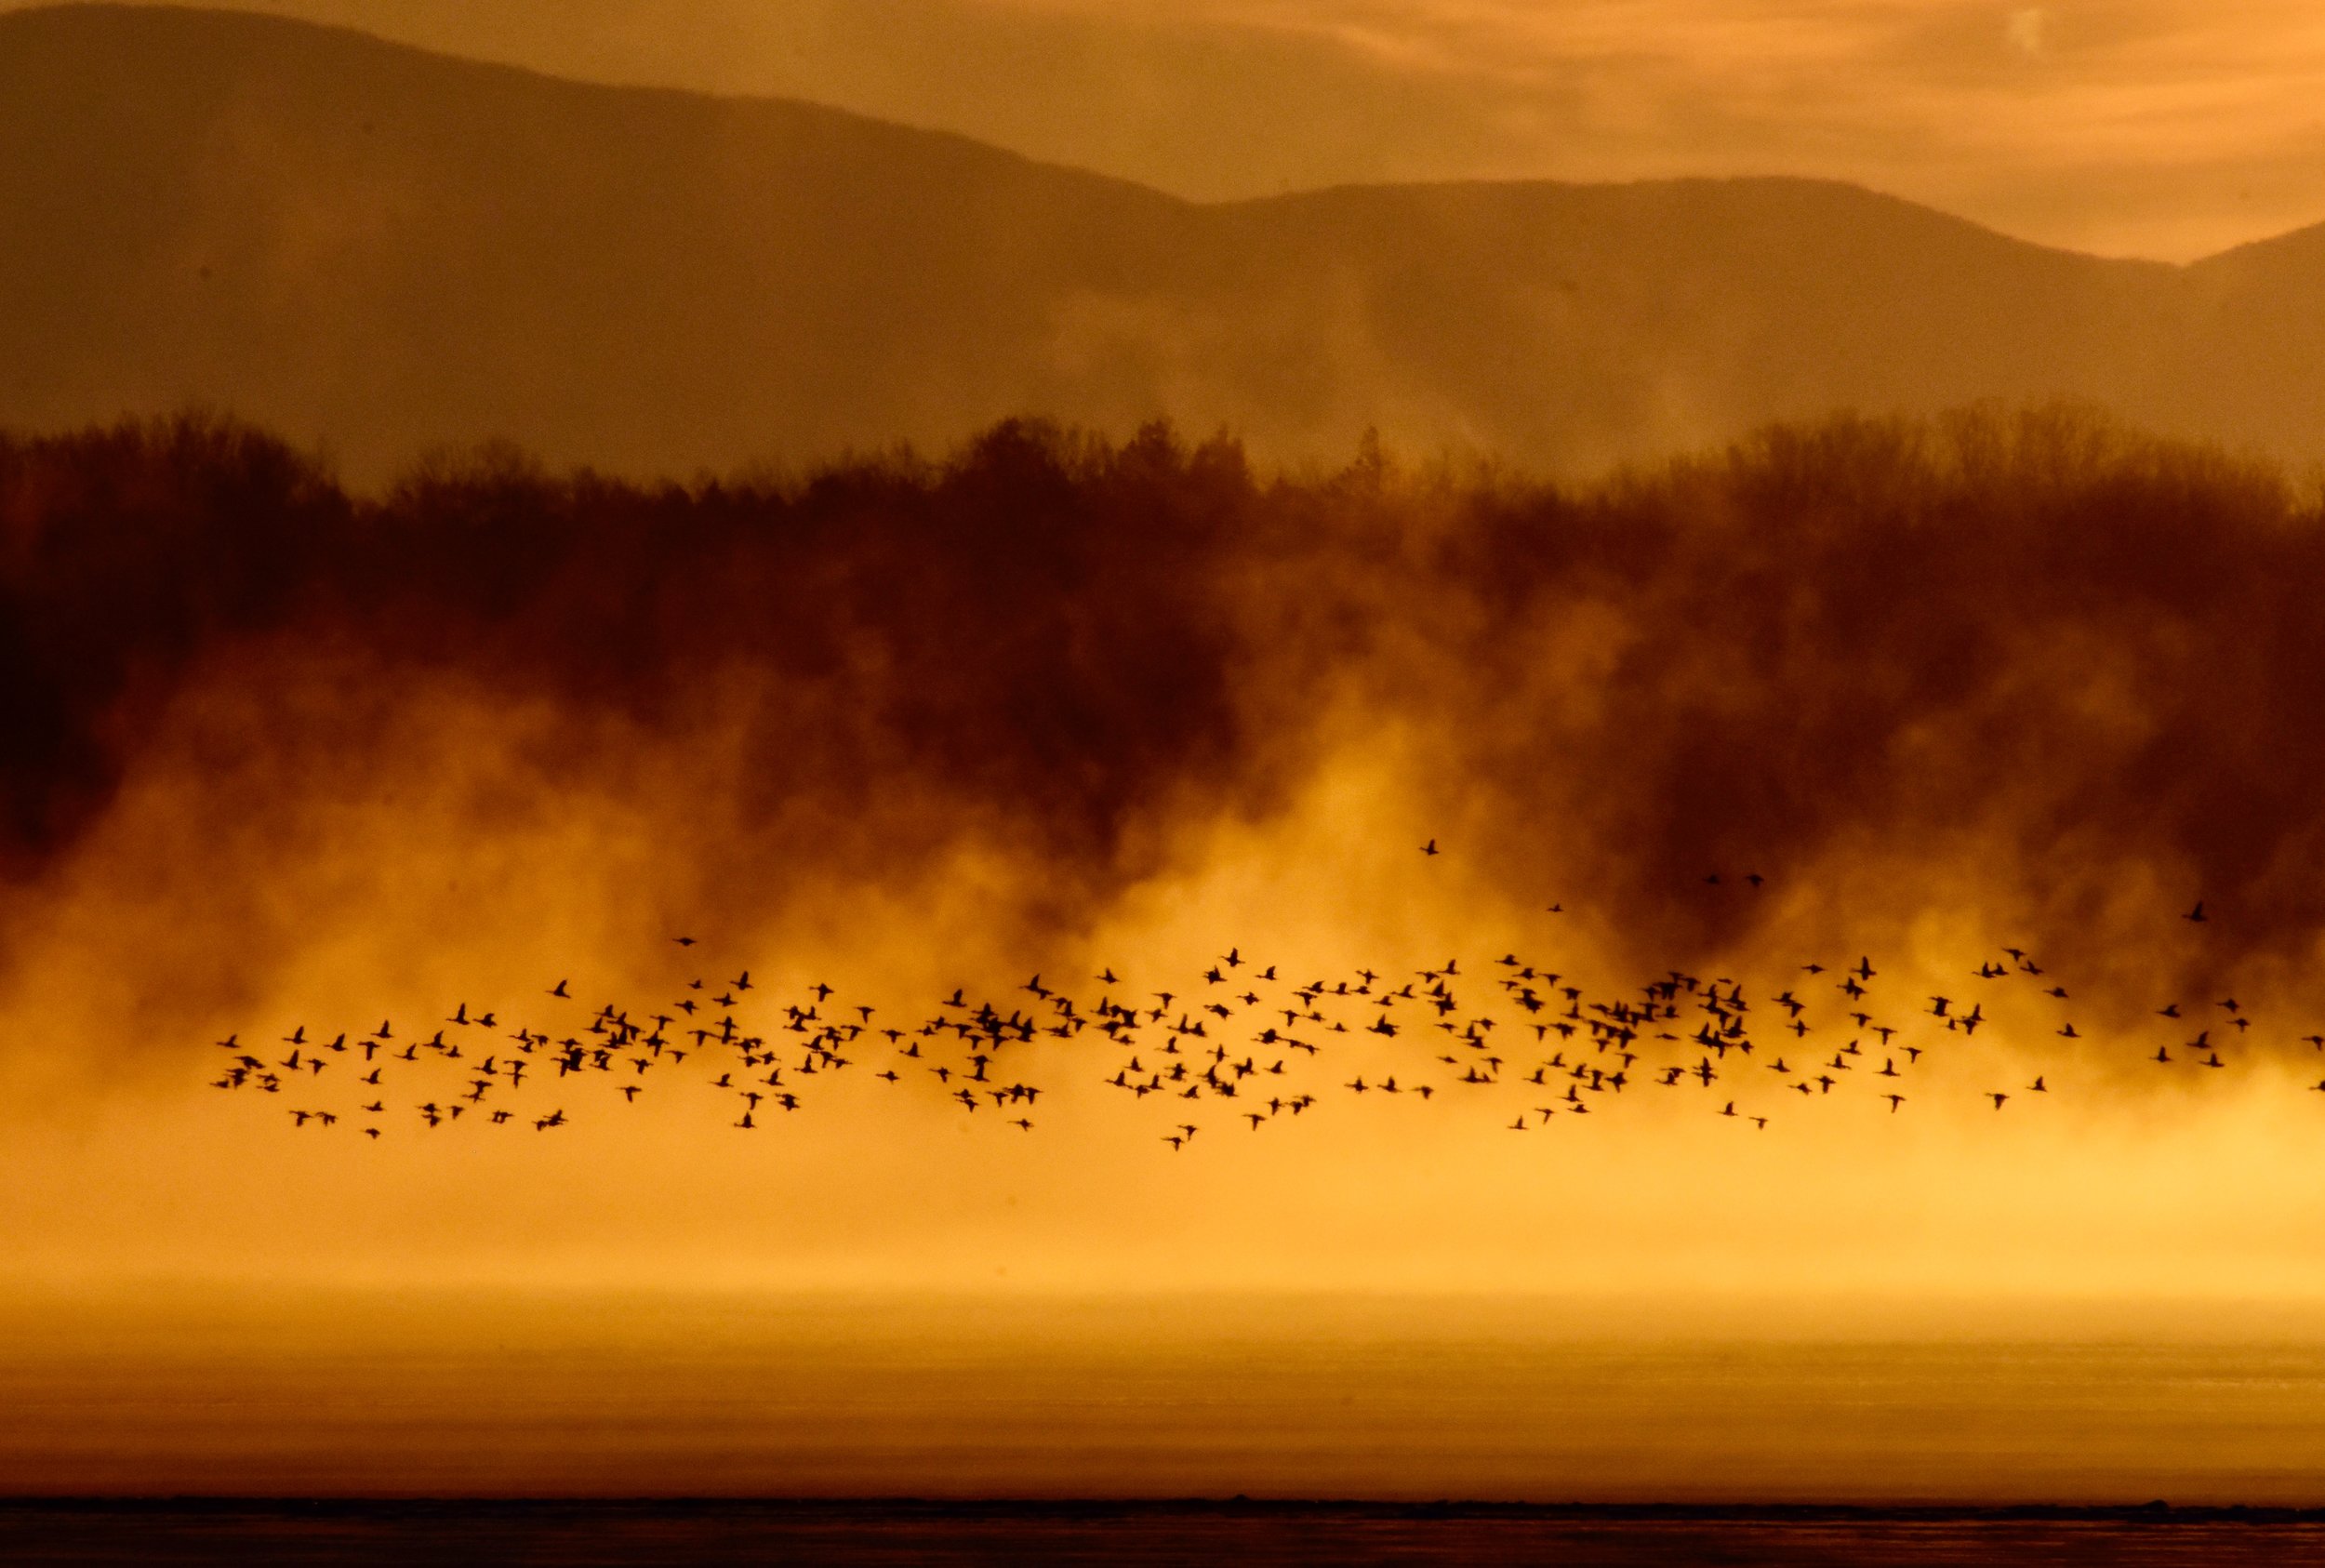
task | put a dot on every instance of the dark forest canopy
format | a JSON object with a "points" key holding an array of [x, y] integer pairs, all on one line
{"points": [[2087, 648]]}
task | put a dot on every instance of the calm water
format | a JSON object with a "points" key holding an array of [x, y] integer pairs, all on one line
{"points": [[854, 1534], [483, 1397]]}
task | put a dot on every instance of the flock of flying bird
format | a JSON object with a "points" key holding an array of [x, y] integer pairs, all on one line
{"points": [[1244, 1046]]}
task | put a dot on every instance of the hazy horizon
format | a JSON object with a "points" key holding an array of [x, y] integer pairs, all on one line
{"points": [[452, 1395]]}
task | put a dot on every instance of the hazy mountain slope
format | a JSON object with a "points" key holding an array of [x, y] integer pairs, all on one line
{"points": [[388, 249], [391, 248], [2253, 359], [1590, 321]]}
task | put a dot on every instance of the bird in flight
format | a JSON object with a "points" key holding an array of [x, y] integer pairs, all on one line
{"points": [[1265, 1044]]}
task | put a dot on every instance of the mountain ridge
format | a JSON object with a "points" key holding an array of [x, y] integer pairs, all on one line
{"points": [[385, 250], [261, 22]]}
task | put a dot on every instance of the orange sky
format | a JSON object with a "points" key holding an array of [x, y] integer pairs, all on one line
{"points": [[2153, 127]]}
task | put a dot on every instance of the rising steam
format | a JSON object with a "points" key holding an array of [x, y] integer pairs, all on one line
{"points": [[2032, 659]]}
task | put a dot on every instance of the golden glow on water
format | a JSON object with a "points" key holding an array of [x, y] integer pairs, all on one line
{"points": [[1606, 1399]]}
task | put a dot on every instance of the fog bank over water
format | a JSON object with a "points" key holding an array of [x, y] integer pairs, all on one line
{"points": [[302, 763]]}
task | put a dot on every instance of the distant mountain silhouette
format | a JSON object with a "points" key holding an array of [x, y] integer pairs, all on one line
{"points": [[387, 250]]}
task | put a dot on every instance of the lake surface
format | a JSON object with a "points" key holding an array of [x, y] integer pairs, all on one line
{"points": [[848, 1533], [748, 1402]]}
